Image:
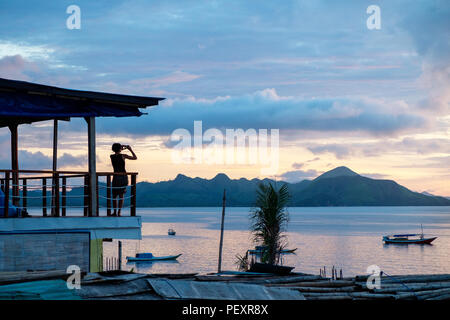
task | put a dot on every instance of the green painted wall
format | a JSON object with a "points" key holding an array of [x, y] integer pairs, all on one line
{"points": [[96, 259]]}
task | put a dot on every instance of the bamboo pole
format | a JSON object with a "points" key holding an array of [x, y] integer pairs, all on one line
{"points": [[323, 289], [219, 267], [323, 284]]}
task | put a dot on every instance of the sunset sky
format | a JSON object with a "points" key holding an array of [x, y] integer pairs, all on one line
{"points": [[376, 101]]}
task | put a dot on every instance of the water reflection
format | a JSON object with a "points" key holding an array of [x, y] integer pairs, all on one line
{"points": [[348, 238], [146, 266]]}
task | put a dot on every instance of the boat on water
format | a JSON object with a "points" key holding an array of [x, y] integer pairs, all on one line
{"points": [[171, 232], [270, 268], [151, 257], [260, 249], [417, 238]]}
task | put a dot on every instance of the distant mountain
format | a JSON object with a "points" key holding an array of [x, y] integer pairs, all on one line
{"points": [[338, 172], [338, 187]]}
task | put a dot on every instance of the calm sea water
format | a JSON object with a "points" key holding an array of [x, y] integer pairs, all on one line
{"points": [[348, 238]]}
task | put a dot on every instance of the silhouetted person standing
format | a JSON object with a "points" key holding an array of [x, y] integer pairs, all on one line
{"points": [[119, 182]]}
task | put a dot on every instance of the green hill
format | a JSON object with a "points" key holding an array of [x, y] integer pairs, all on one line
{"points": [[338, 187]]}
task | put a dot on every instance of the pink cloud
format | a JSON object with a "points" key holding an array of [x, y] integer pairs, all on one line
{"points": [[16, 67]]}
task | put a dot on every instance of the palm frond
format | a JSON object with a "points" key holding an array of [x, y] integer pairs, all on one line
{"points": [[269, 219]]}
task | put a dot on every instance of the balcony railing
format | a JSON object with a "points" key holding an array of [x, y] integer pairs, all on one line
{"points": [[54, 192]]}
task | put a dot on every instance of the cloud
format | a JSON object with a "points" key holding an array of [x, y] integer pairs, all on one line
{"points": [[374, 175], [16, 67], [298, 175], [297, 165], [406, 145], [31, 52], [174, 77], [267, 110], [339, 150], [68, 160], [428, 25], [39, 161]]}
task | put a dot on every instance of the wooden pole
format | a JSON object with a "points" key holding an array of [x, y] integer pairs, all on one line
{"points": [[85, 196], [63, 196], [14, 164], [92, 167], [55, 165], [219, 268], [120, 255], [133, 196], [108, 195], [6, 204], [44, 197], [24, 194], [56, 196]]}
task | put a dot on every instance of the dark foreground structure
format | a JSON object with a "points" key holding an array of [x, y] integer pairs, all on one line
{"points": [[120, 285], [61, 234]]}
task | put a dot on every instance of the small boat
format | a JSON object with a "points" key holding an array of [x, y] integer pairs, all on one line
{"points": [[171, 232], [260, 249], [270, 268], [151, 257], [417, 238]]}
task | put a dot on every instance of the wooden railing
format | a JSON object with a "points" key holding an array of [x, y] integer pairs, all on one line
{"points": [[56, 191]]}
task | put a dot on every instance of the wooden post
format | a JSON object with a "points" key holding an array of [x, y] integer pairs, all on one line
{"points": [[6, 204], [108, 195], [120, 255], [56, 195], [219, 268], [63, 196], [54, 166], [133, 196], [44, 197], [92, 166], [14, 164], [97, 209], [24, 194]]}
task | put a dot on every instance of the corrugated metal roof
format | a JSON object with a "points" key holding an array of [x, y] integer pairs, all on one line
{"points": [[181, 289], [26, 102], [42, 290]]}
